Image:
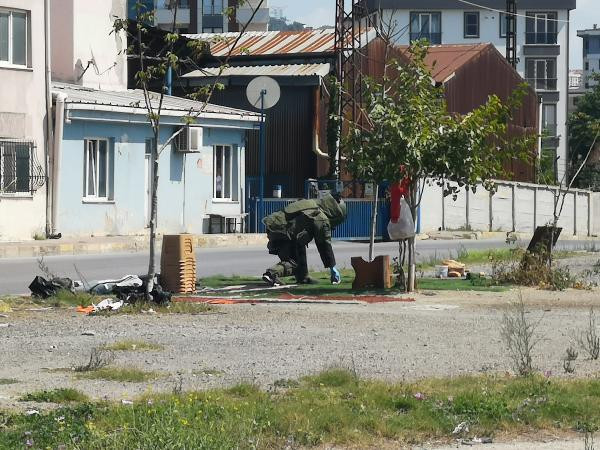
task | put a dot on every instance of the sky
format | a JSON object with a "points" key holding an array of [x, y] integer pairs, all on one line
{"points": [[321, 12]]}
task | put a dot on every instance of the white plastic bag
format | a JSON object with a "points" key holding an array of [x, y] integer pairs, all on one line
{"points": [[405, 227]]}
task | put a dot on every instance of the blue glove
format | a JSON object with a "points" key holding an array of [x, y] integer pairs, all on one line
{"points": [[336, 278]]}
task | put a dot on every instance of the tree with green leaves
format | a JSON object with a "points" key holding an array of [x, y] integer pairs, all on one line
{"points": [[156, 63], [408, 125], [584, 123]]}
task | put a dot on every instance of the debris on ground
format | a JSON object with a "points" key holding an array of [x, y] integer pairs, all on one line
{"points": [[461, 428], [42, 288], [106, 287], [88, 333]]}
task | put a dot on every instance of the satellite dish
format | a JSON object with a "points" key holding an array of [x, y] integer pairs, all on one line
{"points": [[263, 91]]}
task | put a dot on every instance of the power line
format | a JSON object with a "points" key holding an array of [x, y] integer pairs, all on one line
{"points": [[511, 14]]}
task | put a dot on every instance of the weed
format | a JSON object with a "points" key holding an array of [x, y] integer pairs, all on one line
{"points": [[529, 269], [568, 360], [588, 339], [519, 336], [62, 395], [209, 372], [99, 358], [131, 345], [44, 268], [178, 385], [285, 383], [39, 236], [129, 375]]}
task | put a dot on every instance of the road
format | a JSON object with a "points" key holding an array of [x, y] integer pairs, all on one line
{"points": [[17, 273]]}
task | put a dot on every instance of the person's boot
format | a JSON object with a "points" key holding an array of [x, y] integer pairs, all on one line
{"points": [[271, 279], [306, 280]]}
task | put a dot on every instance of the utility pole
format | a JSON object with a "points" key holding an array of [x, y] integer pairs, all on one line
{"points": [[348, 43], [511, 32]]}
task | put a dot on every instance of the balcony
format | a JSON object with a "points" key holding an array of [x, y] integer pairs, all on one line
{"points": [[543, 84], [541, 38], [433, 38]]}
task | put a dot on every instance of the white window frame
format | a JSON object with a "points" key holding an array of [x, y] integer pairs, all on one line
{"points": [[86, 172], [10, 62], [230, 177], [536, 76]]}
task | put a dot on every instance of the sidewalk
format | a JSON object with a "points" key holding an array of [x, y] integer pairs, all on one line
{"points": [[114, 244]]}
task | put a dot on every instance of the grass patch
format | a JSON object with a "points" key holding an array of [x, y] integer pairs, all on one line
{"points": [[481, 257], [331, 408], [171, 308], [131, 345], [322, 286], [62, 395], [7, 381], [125, 375]]}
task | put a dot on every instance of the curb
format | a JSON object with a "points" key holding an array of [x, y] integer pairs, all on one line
{"points": [[127, 244]]}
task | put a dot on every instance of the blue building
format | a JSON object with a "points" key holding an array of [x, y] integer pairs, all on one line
{"points": [[102, 181], [591, 54]]}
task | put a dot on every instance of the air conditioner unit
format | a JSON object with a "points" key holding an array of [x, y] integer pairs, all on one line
{"points": [[189, 140]]}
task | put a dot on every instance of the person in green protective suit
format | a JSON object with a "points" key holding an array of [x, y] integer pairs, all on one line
{"points": [[292, 229]]}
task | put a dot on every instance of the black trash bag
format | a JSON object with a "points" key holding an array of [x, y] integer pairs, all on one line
{"points": [[42, 288]]}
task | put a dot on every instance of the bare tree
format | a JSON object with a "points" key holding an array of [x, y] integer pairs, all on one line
{"points": [[153, 77]]}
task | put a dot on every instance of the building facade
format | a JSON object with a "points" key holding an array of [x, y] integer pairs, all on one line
{"points": [[208, 16], [23, 116], [542, 47], [591, 55], [104, 169]]}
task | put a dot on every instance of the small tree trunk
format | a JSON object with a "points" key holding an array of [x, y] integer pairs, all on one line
{"points": [[411, 242], [153, 217], [373, 224], [411, 265]]}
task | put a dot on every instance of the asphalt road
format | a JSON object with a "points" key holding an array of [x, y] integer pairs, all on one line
{"points": [[17, 273]]}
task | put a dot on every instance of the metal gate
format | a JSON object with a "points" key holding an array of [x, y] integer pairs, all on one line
{"points": [[356, 227]]}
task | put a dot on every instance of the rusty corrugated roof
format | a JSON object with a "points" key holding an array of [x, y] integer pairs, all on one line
{"points": [[446, 59], [274, 42], [288, 70]]}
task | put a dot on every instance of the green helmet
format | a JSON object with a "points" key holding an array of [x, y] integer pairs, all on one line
{"points": [[336, 212]]}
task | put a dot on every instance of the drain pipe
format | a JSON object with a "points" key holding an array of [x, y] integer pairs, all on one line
{"points": [[59, 99], [48, 146]]}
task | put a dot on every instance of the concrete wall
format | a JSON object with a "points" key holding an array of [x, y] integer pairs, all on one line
{"points": [[452, 26], [519, 207], [81, 33], [22, 116], [185, 182]]}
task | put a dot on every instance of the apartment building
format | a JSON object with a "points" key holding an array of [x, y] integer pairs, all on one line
{"points": [[591, 54], [209, 16], [542, 31], [23, 116]]}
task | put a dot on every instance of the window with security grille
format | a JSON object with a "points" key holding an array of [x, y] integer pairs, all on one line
{"points": [[16, 160]]}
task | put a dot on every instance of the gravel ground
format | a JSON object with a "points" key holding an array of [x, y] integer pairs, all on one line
{"points": [[441, 334]]}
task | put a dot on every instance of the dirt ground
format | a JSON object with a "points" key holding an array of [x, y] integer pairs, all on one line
{"points": [[440, 334]]}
